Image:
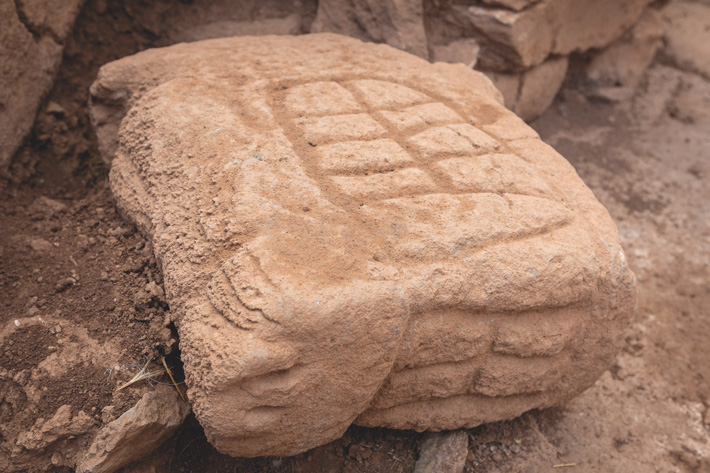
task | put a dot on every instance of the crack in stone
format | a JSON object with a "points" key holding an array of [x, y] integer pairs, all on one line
{"points": [[37, 31]]}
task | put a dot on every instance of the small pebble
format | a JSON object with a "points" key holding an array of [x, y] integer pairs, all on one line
{"points": [[64, 283]]}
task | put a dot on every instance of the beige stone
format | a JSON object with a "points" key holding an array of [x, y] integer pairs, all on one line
{"points": [[50, 16], [688, 36], [464, 51], [615, 72], [539, 87], [513, 40], [507, 84], [291, 25], [31, 35], [443, 452], [399, 23], [584, 25], [137, 432], [373, 240], [509, 40], [60, 426], [530, 93]]}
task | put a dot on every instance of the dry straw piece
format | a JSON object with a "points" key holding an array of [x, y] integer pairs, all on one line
{"points": [[143, 374]]}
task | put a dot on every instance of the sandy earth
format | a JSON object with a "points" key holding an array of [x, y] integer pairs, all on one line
{"points": [[95, 284]]}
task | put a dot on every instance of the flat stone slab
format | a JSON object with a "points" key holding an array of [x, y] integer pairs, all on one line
{"points": [[349, 233]]}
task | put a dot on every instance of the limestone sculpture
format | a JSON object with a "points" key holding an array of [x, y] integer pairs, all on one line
{"points": [[350, 234]]}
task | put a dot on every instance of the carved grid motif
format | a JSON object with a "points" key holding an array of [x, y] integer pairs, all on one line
{"points": [[397, 134], [385, 145]]}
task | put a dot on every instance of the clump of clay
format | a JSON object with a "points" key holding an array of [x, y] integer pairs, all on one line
{"points": [[349, 233]]}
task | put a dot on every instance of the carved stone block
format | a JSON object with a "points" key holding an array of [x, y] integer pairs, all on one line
{"points": [[349, 233]]}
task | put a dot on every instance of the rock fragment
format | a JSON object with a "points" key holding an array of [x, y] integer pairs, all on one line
{"points": [[48, 17], [136, 433], [522, 39], [464, 51], [688, 36], [539, 87], [443, 452], [530, 93], [376, 240], [397, 23], [291, 24], [40, 245], [44, 207], [509, 40], [60, 426], [615, 72], [31, 34], [587, 25]]}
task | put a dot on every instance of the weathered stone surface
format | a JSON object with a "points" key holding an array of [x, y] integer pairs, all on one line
{"points": [[539, 87], [290, 25], [581, 26], [615, 72], [464, 51], [31, 35], [399, 23], [443, 452], [374, 239], [515, 5], [507, 84], [60, 426], [688, 36], [44, 207], [49, 16], [509, 40], [529, 94], [138, 432], [513, 40]]}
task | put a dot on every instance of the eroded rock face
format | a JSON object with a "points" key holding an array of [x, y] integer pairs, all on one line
{"points": [[510, 40], [529, 93], [136, 433], [349, 233], [521, 39], [31, 38], [399, 23], [443, 452], [688, 36], [615, 72]]}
